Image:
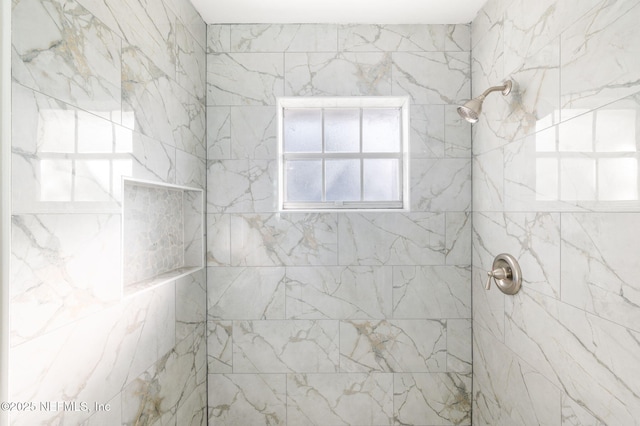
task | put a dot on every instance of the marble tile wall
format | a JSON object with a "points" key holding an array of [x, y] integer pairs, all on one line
{"points": [[555, 181], [102, 90], [337, 318]]}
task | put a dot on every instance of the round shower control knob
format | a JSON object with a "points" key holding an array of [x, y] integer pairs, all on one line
{"points": [[506, 274]]}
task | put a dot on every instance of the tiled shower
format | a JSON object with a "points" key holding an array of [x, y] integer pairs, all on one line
{"points": [[323, 318]]}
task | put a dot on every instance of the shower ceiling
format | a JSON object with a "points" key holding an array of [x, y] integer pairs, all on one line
{"points": [[338, 11]]}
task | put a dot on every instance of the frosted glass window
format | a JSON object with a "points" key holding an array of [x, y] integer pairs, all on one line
{"points": [[343, 180], [342, 130], [381, 180], [380, 130], [343, 153], [304, 180], [303, 130]]}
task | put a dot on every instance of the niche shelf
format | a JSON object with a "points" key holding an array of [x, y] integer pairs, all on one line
{"points": [[162, 233]]}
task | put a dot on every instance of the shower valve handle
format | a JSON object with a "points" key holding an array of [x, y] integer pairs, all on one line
{"points": [[506, 273], [498, 274]]}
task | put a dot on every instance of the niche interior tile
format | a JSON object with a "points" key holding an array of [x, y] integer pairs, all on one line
{"points": [[340, 398], [415, 74], [63, 267], [244, 78], [338, 292], [285, 346], [609, 30], [431, 292], [391, 239], [338, 74], [596, 272], [391, 38], [284, 38], [247, 399], [284, 239], [393, 346], [432, 398], [60, 50], [246, 293]]}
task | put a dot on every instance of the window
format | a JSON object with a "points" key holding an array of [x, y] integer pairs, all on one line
{"points": [[343, 153]]}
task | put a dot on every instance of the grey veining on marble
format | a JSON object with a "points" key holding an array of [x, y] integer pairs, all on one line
{"points": [[314, 316], [60, 49], [393, 346]]}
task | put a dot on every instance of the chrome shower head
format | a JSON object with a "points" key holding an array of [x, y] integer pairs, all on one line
{"points": [[471, 110]]}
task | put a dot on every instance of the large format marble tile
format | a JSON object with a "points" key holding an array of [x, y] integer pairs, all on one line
{"points": [[236, 399], [340, 399], [459, 346], [432, 77], [338, 74], [276, 346], [597, 273], [117, 345], [157, 106], [220, 347], [284, 38], [432, 398], [391, 239], [191, 304], [440, 185], [68, 160], [190, 62], [458, 238], [431, 292], [391, 38], [591, 359], [510, 390], [427, 131], [218, 240], [393, 346], [249, 186], [284, 239], [147, 25], [156, 396], [609, 30], [219, 133], [59, 49], [244, 78], [532, 238], [254, 133], [246, 293], [354, 292], [63, 267]]}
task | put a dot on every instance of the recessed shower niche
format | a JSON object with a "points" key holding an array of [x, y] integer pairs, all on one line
{"points": [[162, 233]]}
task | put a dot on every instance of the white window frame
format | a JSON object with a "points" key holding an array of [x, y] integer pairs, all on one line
{"points": [[364, 102]]}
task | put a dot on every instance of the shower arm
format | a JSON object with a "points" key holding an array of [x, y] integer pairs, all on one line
{"points": [[505, 89]]}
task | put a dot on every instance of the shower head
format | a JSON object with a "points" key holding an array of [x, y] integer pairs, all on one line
{"points": [[471, 110]]}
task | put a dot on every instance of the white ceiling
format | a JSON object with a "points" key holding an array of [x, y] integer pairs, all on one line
{"points": [[338, 11]]}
